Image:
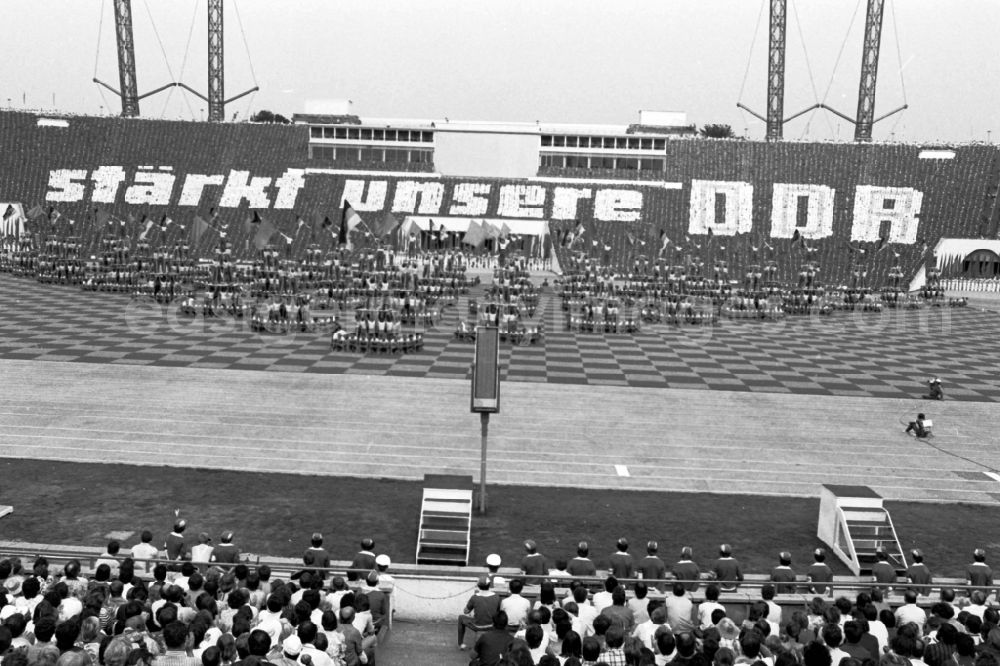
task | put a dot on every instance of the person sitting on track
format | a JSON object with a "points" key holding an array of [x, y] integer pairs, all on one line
{"points": [[921, 427]]}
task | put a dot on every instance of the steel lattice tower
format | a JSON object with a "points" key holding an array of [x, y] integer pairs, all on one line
{"points": [[129, 89], [216, 72], [776, 71], [869, 71]]}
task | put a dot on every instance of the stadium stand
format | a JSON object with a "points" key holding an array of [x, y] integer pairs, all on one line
{"points": [[956, 192], [106, 606]]}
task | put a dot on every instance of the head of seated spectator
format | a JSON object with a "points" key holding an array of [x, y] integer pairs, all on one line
{"points": [[832, 635], [610, 583], [533, 636], [816, 654], [618, 596], [685, 644], [580, 594], [852, 632], [758, 610], [767, 592], [175, 635], [601, 625], [965, 645], [722, 657], [717, 616]]}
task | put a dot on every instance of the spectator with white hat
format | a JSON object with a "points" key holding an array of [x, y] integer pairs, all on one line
{"points": [[386, 582]]}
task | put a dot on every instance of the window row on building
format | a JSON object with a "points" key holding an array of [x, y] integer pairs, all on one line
{"points": [[603, 142], [372, 154], [370, 134], [603, 162]]}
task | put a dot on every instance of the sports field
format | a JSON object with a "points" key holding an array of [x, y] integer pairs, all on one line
{"points": [[91, 377]]}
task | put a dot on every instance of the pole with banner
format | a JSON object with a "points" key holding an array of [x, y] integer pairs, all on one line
{"points": [[485, 392]]}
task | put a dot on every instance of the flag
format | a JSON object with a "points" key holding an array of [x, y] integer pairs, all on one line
{"points": [[299, 223], [711, 233], [165, 222], [251, 219], [342, 238], [327, 223], [35, 212], [148, 226], [797, 239], [504, 231], [489, 230], [54, 215], [388, 225], [198, 229], [9, 212], [288, 239], [575, 234], [350, 216], [264, 232], [630, 237], [349, 219], [883, 242]]}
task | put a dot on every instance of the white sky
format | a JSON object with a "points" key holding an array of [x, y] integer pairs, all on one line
{"points": [[524, 60]]}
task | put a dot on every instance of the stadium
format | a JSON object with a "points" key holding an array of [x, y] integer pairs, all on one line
{"points": [[268, 333]]}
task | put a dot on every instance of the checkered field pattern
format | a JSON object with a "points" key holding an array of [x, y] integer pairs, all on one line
{"points": [[887, 355]]}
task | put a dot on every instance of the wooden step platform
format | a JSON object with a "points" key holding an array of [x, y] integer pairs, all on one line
{"points": [[445, 520]]}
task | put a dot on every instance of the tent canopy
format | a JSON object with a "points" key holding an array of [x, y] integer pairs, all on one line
{"points": [[461, 224]]}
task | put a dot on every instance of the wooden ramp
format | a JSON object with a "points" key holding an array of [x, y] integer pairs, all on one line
{"points": [[445, 520], [854, 522]]}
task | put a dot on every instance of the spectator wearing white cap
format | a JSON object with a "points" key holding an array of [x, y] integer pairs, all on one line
{"points": [[652, 568], [686, 569], [291, 648], [783, 574], [581, 565], [533, 563], [622, 564], [918, 573], [493, 567], [819, 573], [386, 582], [727, 570]]}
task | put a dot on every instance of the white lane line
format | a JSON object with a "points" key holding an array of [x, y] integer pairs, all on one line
{"points": [[622, 470], [993, 475]]}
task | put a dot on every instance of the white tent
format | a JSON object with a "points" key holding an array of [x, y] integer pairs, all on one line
{"points": [[11, 219], [536, 228], [951, 250]]}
